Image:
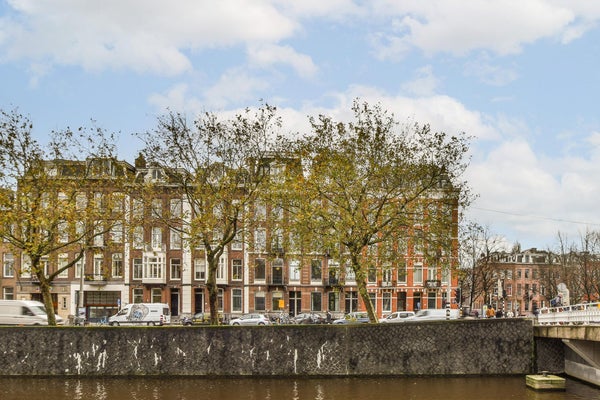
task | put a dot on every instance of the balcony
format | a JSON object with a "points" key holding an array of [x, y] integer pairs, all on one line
{"points": [[157, 280], [95, 279], [275, 280], [433, 284], [387, 283]]}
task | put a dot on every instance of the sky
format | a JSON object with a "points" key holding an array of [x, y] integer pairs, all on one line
{"points": [[521, 77]]}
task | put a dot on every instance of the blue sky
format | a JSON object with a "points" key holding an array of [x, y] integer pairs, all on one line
{"points": [[520, 76]]}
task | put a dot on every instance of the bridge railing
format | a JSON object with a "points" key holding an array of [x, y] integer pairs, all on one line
{"points": [[577, 314]]}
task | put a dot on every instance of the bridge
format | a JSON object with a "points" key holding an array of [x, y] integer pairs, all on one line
{"points": [[573, 330]]}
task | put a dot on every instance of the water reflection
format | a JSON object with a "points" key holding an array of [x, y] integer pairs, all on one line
{"points": [[500, 388]]}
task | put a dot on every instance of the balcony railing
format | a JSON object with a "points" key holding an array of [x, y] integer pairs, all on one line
{"points": [[95, 279]]}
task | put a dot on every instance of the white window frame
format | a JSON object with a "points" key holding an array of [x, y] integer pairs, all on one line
{"points": [[199, 269]]}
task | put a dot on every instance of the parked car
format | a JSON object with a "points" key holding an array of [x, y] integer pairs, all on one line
{"points": [[199, 318], [354, 318], [310, 318], [431, 314], [250, 319], [196, 319], [398, 316]]}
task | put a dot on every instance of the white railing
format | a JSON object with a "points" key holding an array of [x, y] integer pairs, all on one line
{"points": [[578, 314]]}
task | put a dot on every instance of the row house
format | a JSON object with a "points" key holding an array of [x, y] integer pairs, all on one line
{"points": [[516, 282], [145, 258]]}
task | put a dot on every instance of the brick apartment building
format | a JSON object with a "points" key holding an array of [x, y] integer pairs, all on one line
{"points": [[143, 260]]}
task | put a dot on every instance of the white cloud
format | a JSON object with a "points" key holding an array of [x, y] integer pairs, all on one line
{"points": [[269, 54], [459, 27], [124, 34]]}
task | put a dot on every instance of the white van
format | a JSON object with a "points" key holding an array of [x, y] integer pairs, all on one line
{"points": [[431, 314], [142, 314], [24, 312]]}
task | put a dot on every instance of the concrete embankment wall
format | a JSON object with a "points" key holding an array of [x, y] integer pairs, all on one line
{"points": [[461, 347]]}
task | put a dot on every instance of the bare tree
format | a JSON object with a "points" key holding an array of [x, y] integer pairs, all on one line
{"points": [[218, 167], [45, 196]]}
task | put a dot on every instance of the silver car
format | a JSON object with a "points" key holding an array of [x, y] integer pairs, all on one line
{"points": [[250, 319], [398, 316]]}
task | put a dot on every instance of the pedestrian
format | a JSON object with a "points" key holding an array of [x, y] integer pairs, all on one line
{"points": [[328, 317], [490, 313]]}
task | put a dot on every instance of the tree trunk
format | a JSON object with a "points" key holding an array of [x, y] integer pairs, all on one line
{"points": [[47, 298], [211, 285], [361, 283]]}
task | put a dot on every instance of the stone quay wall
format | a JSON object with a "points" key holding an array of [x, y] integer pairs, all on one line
{"points": [[458, 347]]}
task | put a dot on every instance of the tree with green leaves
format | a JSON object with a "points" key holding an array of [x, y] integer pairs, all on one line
{"points": [[218, 168], [47, 203], [370, 188]]}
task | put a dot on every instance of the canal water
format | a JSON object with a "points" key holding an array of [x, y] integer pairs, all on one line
{"points": [[177, 388]]}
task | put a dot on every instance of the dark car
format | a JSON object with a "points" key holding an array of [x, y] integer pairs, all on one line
{"points": [[198, 319]]}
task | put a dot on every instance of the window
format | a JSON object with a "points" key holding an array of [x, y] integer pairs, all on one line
{"points": [[371, 274], [402, 272], [386, 275], [80, 201], [8, 293], [260, 239], [117, 265], [138, 269], [62, 261], [260, 211], [418, 273], [175, 239], [25, 266], [98, 235], [63, 232], [386, 302], [156, 208], [156, 238], [9, 265], [176, 207], [138, 295], [156, 295], [199, 269], [259, 301], [79, 268], [294, 266], [315, 270], [45, 265], [222, 268], [175, 268], [220, 294], [431, 273], [351, 302], [333, 303], [237, 242], [277, 241], [153, 267], [117, 198], [98, 261], [350, 275], [259, 269], [446, 275], [237, 271], [315, 301], [116, 233], [137, 208], [236, 300], [138, 237]]}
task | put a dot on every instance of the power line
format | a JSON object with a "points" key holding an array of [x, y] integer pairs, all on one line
{"points": [[536, 216]]}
